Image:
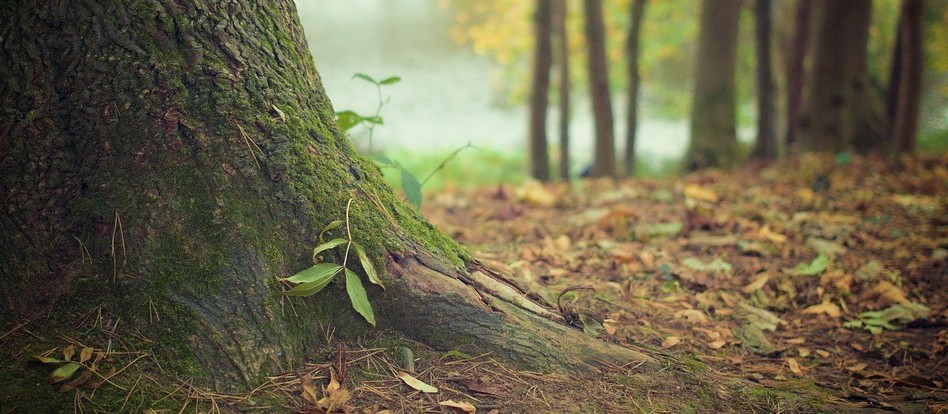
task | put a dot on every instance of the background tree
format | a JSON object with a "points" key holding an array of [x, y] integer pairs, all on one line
{"points": [[908, 64], [840, 110], [604, 162], [636, 11], [561, 36], [540, 90], [795, 67], [177, 158], [713, 139], [765, 147]]}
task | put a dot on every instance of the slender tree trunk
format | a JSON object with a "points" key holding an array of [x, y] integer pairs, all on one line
{"points": [[604, 164], [911, 64], [175, 158], [540, 90], [840, 111], [560, 11], [795, 68], [637, 10], [713, 141], [766, 146]]}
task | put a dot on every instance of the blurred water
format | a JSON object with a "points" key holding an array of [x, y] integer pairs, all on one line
{"points": [[444, 99]]}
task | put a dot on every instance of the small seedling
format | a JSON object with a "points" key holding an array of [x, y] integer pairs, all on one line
{"points": [[312, 280]]}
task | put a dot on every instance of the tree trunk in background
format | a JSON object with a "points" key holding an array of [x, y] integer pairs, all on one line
{"points": [[176, 157], [560, 11], [765, 148], [840, 111], [795, 68], [713, 140], [604, 164], [540, 90], [911, 63], [632, 98]]}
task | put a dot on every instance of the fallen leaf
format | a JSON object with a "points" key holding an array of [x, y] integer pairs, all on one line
{"points": [[535, 194], [717, 344], [857, 367], [309, 389], [416, 383], [804, 352], [827, 308], [774, 237], [68, 352], [757, 284], [463, 406], [85, 354], [335, 400], [64, 372], [670, 342], [796, 341], [794, 366], [698, 192], [692, 316]]}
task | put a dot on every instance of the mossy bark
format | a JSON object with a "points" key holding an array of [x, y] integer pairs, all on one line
{"points": [[169, 159]]}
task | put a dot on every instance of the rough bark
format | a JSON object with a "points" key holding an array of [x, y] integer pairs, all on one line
{"points": [[765, 148], [636, 10], [560, 11], [840, 111], [911, 63], [795, 68], [604, 164], [177, 157], [540, 90], [713, 138]]}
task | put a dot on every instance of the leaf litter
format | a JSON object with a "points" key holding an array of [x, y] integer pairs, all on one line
{"points": [[745, 266]]}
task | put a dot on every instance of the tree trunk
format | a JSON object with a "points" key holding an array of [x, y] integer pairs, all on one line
{"points": [[560, 11], [795, 68], [840, 110], [604, 164], [177, 157], [911, 62], [713, 140], [632, 115], [540, 90], [765, 147]]}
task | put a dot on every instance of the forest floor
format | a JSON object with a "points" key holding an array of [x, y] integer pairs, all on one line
{"points": [[826, 271], [809, 285]]}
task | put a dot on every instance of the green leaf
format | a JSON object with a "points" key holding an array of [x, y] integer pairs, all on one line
{"points": [[64, 372], [326, 246], [315, 273], [590, 325], [374, 119], [309, 289], [365, 77], [390, 80], [814, 268], [48, 360], [347, 119], [358, 297], [367, 265], [329, 227], [383, 161], [411, 187]]}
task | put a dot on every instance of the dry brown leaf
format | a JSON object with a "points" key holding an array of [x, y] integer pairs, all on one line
{"points": [[883, 295], [334, 401], [827, 308], [309, 389], [757, 284], [416, 383], [333, 383], [804, 352], [85, 354], [68, 352], [822, 353], [692, 316], [698, 192], [535, 194], [796, 341], [670, 342], [463, 406], [794, 366], [857, 367], [717, 344], [774, 237]]}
